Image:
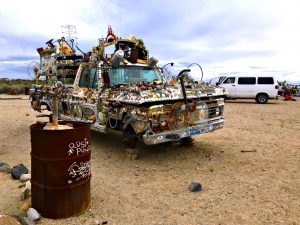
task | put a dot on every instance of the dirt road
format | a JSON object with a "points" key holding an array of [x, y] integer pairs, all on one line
{"points": [[257, 187]]}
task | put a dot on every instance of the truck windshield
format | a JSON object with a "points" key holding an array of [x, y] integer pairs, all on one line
{"points": [[88, 78], [125, 75]]}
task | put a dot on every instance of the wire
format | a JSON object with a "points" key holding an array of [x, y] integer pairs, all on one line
{"points": [[109, 122]]}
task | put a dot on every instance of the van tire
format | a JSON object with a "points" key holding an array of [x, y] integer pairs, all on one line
{"points": [[262, 98]]}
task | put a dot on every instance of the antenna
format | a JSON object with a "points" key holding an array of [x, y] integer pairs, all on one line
{"points": [[69, 33]]}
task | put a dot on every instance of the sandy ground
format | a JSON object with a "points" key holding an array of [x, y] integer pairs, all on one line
{"points": [[261, 187]]}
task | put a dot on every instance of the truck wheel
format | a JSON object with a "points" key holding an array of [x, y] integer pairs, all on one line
{"points": [[131, 142], [51, 118], [187, 141], [262, 98], [130, 136]]}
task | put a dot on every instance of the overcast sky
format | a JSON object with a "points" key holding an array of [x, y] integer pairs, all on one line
{"points": [[236, 36]]}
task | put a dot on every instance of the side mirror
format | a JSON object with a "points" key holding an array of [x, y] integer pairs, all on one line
{"points": [[218, 83]]}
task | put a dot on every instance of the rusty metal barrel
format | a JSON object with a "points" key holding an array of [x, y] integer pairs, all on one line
{"points": [[60, 170]]}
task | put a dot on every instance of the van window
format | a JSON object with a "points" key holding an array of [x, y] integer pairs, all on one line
{"points": [[229, 80], [265, 80], [246, 80]]}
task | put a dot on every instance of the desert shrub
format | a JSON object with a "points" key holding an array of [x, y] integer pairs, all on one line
{"points": [[5, 88], [12, 89]]}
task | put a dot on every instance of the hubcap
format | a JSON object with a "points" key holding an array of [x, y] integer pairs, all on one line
{"points": [[262, 98]]}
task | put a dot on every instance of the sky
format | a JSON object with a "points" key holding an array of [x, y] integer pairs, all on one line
{"points": [[260, 37]]}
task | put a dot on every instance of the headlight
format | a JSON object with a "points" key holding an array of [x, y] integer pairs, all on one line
{"points": [[201, 114]]}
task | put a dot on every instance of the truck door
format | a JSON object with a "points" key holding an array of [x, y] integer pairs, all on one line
{"points": [[229, 84]]}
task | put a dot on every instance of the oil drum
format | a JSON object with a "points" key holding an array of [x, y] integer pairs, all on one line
{"points": [[60, 170]]}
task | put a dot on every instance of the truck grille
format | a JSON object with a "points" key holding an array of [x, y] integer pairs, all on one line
{"points": [[215, 111]]}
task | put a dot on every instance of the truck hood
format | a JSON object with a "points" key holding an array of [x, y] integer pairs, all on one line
{"points": [[140, 95]]}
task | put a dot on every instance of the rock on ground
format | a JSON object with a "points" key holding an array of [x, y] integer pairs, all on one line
{"points": [[5, 168], [8, 220], [25, 177], [18, 170], [27, 221], [33, 214], [195, 186]]}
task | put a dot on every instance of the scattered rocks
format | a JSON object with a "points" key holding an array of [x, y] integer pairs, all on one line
{"points": [[25, 177], [25, 193], [8, 220], [28, 185], [4, 167], [24, 206], [18, 170], [27, 221], [21, 185], [33, 214], [195, 186], [132, 153]]}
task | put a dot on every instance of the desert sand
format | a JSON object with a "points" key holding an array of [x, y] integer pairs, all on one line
{"points": [[259, 186]]}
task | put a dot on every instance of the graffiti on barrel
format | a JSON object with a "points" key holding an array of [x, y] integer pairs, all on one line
{"points": [[79, 147], [80, 170]]}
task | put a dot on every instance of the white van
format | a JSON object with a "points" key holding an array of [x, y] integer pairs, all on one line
{"points": [[260, 88]]}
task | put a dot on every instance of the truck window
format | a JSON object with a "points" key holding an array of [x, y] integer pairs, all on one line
{"points": [[125, 75], [265, 80], [88, 78], [229, 80], [246, 80]]}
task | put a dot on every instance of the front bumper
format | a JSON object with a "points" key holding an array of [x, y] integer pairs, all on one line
{"points": [[151, 138]]}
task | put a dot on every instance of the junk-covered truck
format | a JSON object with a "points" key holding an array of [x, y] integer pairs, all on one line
{"points": [[125, 90]]}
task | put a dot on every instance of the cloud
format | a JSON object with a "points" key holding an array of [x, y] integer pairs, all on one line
{"points": [[223, 36]]}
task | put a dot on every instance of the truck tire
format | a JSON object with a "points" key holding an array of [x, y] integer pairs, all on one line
{"points": [[130, 136], [51, 118], [187, 141], [262, 98]]}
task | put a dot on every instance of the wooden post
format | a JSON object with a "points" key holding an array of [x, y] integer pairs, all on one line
{"points": [[55, 111]]}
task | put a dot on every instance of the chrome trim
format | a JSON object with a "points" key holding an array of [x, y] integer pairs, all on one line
{"points": [[156, 138]]}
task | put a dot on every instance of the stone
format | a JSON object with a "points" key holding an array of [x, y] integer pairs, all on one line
{"points": [[5, 168], [25, 193], [132, 153], [195, 186], [21, 185], [25, 177], [18, 170], [28, 185], [132, 150], [132, 156], [24, 206], [8, 220], [33, 214], [27, 221]]}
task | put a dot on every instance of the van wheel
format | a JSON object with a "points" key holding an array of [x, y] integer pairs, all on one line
{"points": [[262, 98]]}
